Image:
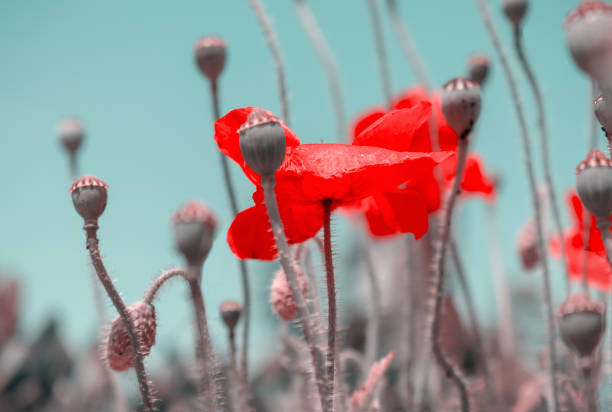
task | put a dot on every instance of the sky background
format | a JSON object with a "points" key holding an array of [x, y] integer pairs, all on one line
{"points": [[126, 69]]}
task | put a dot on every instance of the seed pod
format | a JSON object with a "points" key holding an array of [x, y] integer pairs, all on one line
{"points": [[230, 313], [461, 104], [262, 142], [582, 323], [478, 68], [194, 230], [281, 296], [515, 10], [603, 112], [119, 347], [589, 37], [89, 195], [210, 55], [594, 183], [71, 133]]}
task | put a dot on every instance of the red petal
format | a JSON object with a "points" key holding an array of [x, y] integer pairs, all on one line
{"points": [[410, 98], [400, 211], [364, 120], [475, 181]]}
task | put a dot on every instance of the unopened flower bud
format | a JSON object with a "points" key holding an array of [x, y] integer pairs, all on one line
{"points": [[603, 112], [210, 54], [89, 195], [515, 10], [582, 323], [281, 296], [230, 313], [262, 142], [194, 230], [594, 183], [119, 350], [71, 133], [589, 37], [461, 104], [478, 68]]}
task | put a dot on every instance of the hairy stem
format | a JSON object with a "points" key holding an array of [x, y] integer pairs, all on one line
{"points": [[323, 50], [383, 64], [542, 125], [278, 59], [244, 270], [451, 371], [91, 228], [547, 301], [268, 183], [331, 304], [151, 293]]}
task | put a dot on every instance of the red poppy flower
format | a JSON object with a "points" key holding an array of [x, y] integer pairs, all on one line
{"points": [[310, 174], [597, 268]]}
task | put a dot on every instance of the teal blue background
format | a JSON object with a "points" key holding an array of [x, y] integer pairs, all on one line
{"points": [[126, 69]]}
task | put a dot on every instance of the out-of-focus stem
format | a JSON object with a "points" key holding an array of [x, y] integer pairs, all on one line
{"points": [[593, 127], [151, 293], [322, 48], [374, 322], [244, 270], [331, 305], [268, 183], [278, 59], [381, 53], [91, 229], [450, 370], [547, 301]]}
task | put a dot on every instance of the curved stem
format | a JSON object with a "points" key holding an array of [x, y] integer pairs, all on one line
{"points": [[244, 270], [451, 371], [323, 50], [331, 304], [91, 229], [151, 293], [278, 59], [547, 301], [268, 183], [542, 125], [383, 64]]}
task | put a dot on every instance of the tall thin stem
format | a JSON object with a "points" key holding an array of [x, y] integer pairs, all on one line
{"points": [[268, 183], [244, 270], [323, 50], [278, 59], [593, 125], [331, 304], [91, 229], [374, 322], [151, 293], [547, 301], [451, 371], [383, 64], [542, 125]]}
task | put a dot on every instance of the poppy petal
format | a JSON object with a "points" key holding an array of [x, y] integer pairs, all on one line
{"points": [[364, 120], [399, 211]]}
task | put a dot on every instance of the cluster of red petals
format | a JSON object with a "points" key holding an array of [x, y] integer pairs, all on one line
{"points": [[311, 173], [593, 254]]}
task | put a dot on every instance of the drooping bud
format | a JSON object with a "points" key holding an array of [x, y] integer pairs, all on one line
{"points": [[71, 133], [262, 142], [589, 37], [603, 112], [478, 68], [461, 104], [194, 230], [515, 10], [119, 347], [89, 195], [582, 323], [230, 313], [594, 183], [210, 55], [281, 296]]}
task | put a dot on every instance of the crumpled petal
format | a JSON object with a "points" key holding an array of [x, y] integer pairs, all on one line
{"points": [[365, 119], [475, 181]]}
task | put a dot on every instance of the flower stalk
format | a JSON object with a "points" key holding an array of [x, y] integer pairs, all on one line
{"points": [[331, 304], [383, 64]]}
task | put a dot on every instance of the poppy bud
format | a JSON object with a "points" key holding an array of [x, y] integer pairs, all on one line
{"points": [[478, 68], [71, 133], [582, 323], [603, 112], [589, 37], [461, 104], [515, 10], [280, 294], [594, 183], [210, 56], [230, 313], [119, 347], [89, 196], [194, 229], [262, 142]]}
